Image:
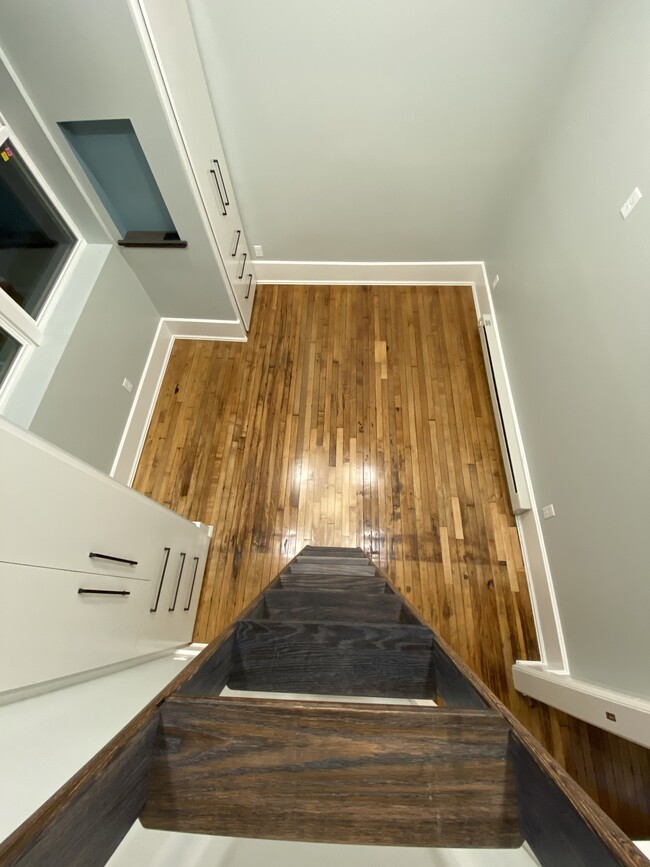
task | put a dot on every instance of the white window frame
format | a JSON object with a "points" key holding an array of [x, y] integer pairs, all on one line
{"points": [[28, 330]]}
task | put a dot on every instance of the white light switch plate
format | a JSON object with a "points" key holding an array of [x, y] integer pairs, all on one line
{"points": [[633, 200]]}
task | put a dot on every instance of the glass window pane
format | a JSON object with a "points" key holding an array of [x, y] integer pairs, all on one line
{"points": [[9, 349], [34, 240]]}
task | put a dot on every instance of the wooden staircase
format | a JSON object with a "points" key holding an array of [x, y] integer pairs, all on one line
{"points": [[433, 760], [327, 772]]}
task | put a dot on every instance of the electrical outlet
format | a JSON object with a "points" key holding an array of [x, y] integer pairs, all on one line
{"points": [[633, 200], [495, 282], [128, 385], [549, 511], [258, 250]]}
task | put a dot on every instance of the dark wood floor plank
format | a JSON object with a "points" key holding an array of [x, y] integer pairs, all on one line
{"points": [[333, 773]]}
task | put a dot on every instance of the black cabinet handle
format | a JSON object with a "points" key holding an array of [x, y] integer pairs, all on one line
{"points": [[178, 583], [84, 590], [223, 183], [189, 600], [235, 243], [244, 256], [224, 212], [248, 289], [162, 578], [95, 556]]}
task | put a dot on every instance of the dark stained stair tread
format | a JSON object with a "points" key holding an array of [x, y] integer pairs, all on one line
{"points": [[331, 605], [330, 561], [333, 582], [314, 550], [409, 776], [333, 658], [298, 567]]}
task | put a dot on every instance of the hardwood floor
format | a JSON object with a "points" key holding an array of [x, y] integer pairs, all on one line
{"points": [[361, 416]]}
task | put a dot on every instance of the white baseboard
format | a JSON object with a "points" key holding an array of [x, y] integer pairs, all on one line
{"points": [[137, 425], [540, 581], [370, 273], [206, 329], [586, 701]]}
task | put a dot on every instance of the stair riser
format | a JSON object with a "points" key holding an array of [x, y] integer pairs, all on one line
{"points": [[333, 582], [318, 606], [344, 774], [333, 659]]}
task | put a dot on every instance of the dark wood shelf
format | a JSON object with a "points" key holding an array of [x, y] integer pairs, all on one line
{"points": [[151, 239]]}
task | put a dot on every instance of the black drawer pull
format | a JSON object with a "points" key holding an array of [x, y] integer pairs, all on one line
{"points": [[235, 243], [85, 591], [244, 256], [95, 556], [248, 290], [224, 212], [189, 601], [162, 578], [178, 583], [223, 183]]}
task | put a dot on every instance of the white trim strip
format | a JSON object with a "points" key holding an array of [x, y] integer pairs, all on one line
{"points": [[540, 581], [369, 273], [206, 329], [586, 701], [137, 424]]}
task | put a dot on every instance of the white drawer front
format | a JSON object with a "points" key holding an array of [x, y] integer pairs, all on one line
{"points": [[60, 512], [48, 629], [169, 618]]}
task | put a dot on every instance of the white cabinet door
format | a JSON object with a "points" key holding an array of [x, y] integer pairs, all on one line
{"points": [[60, 511], [170, 30], [49, 629], [168, 620]]}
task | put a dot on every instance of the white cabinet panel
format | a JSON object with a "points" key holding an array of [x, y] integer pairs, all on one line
{"points": [[59, 511], [170, 30], [169, 618], [48, 629]]}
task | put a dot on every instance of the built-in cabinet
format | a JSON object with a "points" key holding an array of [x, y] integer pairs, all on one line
{"points": [[167, 27], [91, 572]]}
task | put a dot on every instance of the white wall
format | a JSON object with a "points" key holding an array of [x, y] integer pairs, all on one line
{"points": [[377, 130], [573, 308]]}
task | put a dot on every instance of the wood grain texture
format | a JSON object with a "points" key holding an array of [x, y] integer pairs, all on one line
{"points": [[543, 806], [332, 606], [333, 659], [302, 436], [406, 776], [348, 583], [86, 820]]}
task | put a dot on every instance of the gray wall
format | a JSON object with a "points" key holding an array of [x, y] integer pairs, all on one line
{"points": [[85, 408], [377, 130], [573, 308]]}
